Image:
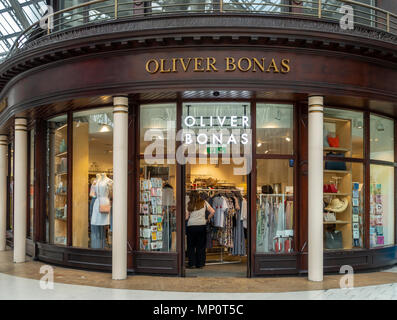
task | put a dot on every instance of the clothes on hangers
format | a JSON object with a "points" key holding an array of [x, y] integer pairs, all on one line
{"points": [[274, 224], [220, 206], [238, 231]]}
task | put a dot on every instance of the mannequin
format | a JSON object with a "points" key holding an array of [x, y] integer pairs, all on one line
{"points": [[99, 220]]}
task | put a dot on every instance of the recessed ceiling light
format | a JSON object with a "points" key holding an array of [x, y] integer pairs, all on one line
{"points": [[105, 128]]}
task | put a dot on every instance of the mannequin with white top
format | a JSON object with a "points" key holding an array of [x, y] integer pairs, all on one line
{"points": [[102, 191]]}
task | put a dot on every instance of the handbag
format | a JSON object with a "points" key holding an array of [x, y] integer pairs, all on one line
{"points": [[335, 165], [329, 216], [333, 141], [104, 206], [267, 189], [333, 240]]}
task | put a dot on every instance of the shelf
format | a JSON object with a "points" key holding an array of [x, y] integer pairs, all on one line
{"points": [[61, 194], [337, 194], [334, 120], [62, 127], [62, 154], [336, 149], [336, 222], [61, 219], [61, 174], [337, 171]]}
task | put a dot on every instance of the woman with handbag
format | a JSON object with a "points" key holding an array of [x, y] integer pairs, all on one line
{"points": [[196, 229]]}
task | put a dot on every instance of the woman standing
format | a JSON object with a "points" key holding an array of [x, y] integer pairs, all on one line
{"points": [[196, 229]]}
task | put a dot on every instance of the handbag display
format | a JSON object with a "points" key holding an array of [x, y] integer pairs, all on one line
{"points": [[333, 141], [329, 217], [335, 165], [330, 188], [267, 189], [333, 240]]}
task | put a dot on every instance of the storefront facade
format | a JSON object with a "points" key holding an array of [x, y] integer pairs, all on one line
{"points": [[82, 112]]}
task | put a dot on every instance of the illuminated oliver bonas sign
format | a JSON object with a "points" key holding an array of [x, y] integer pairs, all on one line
{"points": [[210, 64]]}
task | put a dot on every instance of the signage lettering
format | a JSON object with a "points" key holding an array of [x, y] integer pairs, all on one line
{"points": [[210, 64]]}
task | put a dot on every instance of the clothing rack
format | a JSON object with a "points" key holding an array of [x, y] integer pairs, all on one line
{"points": [[221, 261], [217, 189], [282, 195]]}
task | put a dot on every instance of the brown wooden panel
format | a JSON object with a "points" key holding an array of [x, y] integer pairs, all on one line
{"points": [[75, 257], [156, 262], [30, 248], [267, 264]]}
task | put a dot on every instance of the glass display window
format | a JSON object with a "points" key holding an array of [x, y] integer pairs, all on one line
{"points": [[381, 138], [10, 182], [274, 206], [158, 124], [58, 179], [31, 182], [343, 133], [274, 129], [382, 213], [217, 128], [93, 178], [343, 214], [157, 208]]}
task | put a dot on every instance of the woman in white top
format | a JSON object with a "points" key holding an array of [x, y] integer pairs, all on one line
{"points": [[196, 229]]}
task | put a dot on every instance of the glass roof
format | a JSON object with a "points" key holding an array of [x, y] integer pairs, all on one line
{"points": [[15, 16]]}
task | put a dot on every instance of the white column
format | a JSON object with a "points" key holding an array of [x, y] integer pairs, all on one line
{"points": [[120, 184], [3, 191], [20, 190], [315, 192]]}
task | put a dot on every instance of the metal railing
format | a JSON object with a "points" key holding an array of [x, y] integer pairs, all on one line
{"points": [[98, 11]]}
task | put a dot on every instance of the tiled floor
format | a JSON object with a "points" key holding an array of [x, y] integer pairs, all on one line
{"points": [[20, 288], [21, 281]]}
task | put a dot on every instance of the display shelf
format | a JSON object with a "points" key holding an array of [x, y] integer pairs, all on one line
{"points": [[342, 129], [333, 149], [61, 174], [62, 127], [336, 222], [62, 154], [337, 171], [336, 120], [342, 194]]}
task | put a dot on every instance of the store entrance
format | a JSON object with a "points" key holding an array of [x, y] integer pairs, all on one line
{"points": [[226, 233]]}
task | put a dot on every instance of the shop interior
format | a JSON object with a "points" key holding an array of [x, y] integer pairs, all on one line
{"points": [[226, 241]]}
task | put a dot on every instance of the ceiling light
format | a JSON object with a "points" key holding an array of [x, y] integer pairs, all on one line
{"points": [[379, 126], [105, 128], [267, 151], [288, 139], [259, 144]]}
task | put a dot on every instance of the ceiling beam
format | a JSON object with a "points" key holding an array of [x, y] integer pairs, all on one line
{"points": [[19, 13]]}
